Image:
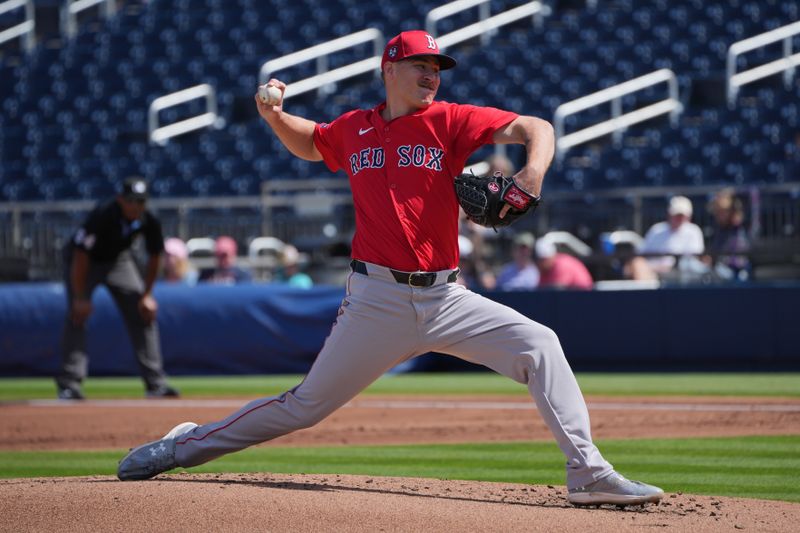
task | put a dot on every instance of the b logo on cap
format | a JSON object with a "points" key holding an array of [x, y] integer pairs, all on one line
{"points": [[392, 51], [431, 42]]}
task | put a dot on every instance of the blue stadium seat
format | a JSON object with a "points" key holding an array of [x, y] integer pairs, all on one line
{"points": [[657, 174], [58, 189], [783, 171], [790, 112], [87, 101], [20, 191], [263, 167], [712, 153], [732, 132], [96, 189], [246, 185], [13, 171], [694, 174], [673, 154]]}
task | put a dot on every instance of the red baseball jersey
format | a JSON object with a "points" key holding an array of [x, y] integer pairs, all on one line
{"points": [[401, 176]]}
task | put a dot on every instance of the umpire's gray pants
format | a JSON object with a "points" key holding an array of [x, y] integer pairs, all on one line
{"points": [[126, 286], [382, 323]]}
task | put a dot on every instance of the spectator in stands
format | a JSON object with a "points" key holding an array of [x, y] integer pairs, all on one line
{"points": [[521, 273], [473, 252], [473, 272], [290, 271], [99, 253], [730, 242], [177, 267], [227, 272], [559, 270], [677, 237]]}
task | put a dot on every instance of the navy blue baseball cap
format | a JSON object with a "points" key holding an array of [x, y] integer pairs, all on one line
{"points": [[135, 188]]}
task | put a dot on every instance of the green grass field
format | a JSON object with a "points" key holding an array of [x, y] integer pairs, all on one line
{"points": [[679, 384], [757, 467]]}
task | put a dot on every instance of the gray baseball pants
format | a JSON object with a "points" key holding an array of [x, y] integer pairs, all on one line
{"points": [[383, 323], [126, 286]]}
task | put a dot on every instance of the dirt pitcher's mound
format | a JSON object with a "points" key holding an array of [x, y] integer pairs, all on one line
{"points": [[297, 503]]}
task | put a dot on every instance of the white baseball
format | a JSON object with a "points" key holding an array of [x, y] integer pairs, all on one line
{"points": [[270, 94]]}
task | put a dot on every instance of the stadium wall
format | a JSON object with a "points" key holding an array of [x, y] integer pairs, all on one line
{"points": [[263, 329]]}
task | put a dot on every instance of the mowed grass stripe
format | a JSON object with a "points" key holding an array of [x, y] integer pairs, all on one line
{"points": [[472, 383], [764, 448], [740, 466]]}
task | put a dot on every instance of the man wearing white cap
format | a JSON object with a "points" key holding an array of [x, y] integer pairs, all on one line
{"points": [[676, 236]]}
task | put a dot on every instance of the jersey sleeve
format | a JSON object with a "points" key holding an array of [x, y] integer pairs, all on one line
{"points": [[474, 126], [326, 141], [330, 140], [153, 235]]}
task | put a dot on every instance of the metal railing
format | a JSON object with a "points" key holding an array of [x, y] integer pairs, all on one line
{"points": [[320, 53], [25, 29], [447, 10], [36, 231], [70, 10], [324, 78], [485, 27], [619, 121], [310, 198], [567, 240], [787, 64], [161, 134]]}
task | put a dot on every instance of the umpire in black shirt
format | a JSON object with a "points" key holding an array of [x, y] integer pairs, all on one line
{"points": [[99, 252]]}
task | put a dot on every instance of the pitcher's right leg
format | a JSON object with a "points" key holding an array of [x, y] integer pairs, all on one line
{"points": [[375, 330], [480, 330]]}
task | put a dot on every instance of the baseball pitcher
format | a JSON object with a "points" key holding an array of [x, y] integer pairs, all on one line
{"points": [[404, 159]]}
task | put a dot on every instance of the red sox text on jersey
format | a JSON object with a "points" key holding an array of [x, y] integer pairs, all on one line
{"points": [[418, 156]]}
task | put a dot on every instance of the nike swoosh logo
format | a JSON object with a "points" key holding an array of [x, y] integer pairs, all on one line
{"points": [[362, 131]]}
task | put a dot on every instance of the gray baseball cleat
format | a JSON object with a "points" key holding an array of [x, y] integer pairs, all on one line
{"points": [[149, 460], [615, 489]]}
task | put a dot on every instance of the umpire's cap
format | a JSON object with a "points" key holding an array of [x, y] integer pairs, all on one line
{"points": [[135, 188], [415, 43]]}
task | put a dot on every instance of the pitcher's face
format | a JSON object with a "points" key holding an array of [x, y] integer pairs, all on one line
{"points": [[415, 79]]}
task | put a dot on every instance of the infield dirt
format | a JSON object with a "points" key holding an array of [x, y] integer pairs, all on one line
{"points": [[277, 502]]}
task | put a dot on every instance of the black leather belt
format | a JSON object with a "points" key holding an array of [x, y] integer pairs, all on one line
{"points": [[412, 279]]}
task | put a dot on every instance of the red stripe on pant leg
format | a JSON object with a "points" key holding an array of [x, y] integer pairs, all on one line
{"points": [[281, 399]]}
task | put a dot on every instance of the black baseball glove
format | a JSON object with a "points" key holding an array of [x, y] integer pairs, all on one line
{"points": [[482, 199]]}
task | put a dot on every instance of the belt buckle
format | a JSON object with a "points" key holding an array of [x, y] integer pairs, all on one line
{"points": [[425, 278]]}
